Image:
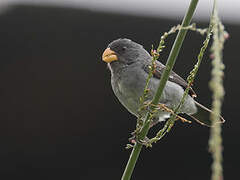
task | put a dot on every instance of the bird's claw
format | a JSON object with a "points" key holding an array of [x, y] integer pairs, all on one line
{"points": [[145, 142]]}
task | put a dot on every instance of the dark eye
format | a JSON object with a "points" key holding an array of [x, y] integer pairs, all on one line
{"points": [[124, 48]]}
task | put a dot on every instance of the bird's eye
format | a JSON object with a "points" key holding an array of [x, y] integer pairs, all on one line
{"points": [[124, 48]]}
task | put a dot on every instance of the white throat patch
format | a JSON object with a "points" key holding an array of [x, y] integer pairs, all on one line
{"points": [[109, 66]]}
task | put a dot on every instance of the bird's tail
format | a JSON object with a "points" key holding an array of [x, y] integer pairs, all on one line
{"points": [[203, 115]]}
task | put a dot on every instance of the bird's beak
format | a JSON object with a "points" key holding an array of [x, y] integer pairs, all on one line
{"points": [[109, 56]]}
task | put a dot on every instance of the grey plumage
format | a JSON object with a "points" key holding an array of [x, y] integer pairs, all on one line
{"points": [[129, 74]]}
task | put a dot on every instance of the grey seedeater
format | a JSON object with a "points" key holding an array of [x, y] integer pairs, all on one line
{"points": [[129, 64]]}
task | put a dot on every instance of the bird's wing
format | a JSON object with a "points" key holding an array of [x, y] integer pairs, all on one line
{"points": [[173, 77]]}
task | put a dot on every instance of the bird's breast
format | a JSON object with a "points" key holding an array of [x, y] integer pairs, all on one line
{"points": [[128, 87]]}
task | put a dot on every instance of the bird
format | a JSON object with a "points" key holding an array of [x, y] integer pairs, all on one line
{"points": [[129, 64]]}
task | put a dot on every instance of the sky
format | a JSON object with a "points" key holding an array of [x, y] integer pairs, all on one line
{"points": [[228, 9]]}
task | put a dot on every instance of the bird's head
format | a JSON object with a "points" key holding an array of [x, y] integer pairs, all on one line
{"points": [[124, 51]]}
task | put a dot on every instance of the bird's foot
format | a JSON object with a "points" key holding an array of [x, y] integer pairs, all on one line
{"points": [[134, 138], [145, 142]]}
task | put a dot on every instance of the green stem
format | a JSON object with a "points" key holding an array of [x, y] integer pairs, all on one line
{"points": [[169, 66], [175, 50], [135, 153]]}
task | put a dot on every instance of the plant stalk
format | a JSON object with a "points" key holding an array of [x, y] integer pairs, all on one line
{"points": [[216, 85], [169, 66]]}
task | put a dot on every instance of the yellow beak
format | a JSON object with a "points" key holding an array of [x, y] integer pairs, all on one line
{"points": [[109, 56]]}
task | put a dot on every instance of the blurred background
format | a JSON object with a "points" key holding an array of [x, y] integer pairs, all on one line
{"points": [[59, 116]]}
